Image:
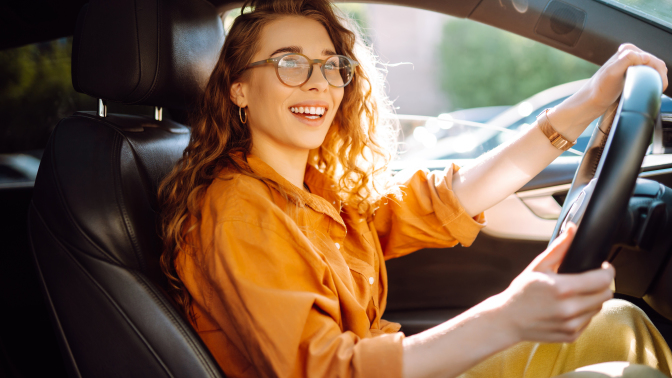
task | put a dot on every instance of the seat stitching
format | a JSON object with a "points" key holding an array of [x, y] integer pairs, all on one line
{"points": [[116, 176], [160, 301], [106, 294], [43, 285]]}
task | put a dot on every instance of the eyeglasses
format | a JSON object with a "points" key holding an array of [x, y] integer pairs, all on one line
{"points": [[294, 69]]}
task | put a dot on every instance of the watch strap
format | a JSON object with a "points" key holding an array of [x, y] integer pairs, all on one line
{"points": [[557, 140]]}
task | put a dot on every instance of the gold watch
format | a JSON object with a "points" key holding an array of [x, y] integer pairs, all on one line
{"points": [[557, 140]]}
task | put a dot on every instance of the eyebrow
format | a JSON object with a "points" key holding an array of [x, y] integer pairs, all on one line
{"points": [[298, 50]]}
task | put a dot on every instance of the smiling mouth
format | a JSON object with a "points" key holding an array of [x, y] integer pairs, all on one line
{"points": [[310, 112]]}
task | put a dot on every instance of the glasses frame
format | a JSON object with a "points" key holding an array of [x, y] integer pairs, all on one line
{"points": [[275, 61]]}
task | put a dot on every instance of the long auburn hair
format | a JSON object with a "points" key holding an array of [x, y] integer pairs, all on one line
{"points": [[355, 153]]}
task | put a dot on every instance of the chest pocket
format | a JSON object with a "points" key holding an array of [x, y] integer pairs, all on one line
{"points": [[365, 280]]}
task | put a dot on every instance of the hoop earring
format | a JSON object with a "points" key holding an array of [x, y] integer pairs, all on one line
{"points": [[240, 114]]}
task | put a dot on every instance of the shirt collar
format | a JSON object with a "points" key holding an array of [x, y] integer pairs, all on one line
{"points": [[324, 194]]}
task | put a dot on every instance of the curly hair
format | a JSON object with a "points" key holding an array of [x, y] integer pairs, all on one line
{"points": [[355, 153]]}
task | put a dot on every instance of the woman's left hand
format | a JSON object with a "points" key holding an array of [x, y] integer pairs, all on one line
{"points": [[603, 89]]}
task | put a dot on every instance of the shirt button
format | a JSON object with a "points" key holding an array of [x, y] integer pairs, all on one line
{"points": [[338, 246], [334, 202], [371, 280]]}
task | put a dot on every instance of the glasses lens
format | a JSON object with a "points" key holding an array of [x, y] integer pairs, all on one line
{"points": [[293, 69], [338, 70]]}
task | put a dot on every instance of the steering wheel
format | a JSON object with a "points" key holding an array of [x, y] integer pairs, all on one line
{"points": [[606, 177]]}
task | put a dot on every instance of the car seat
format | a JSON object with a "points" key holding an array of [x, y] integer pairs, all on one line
{"points": [[93, 216]]}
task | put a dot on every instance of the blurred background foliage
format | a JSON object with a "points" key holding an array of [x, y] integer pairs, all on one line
{"points": [[35, 92], [485, 66]]}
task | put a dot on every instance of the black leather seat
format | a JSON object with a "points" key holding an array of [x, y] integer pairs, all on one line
{"points": [[93, 216]]}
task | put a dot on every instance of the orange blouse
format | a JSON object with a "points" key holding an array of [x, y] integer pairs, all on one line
{"points": [[298, 289]]}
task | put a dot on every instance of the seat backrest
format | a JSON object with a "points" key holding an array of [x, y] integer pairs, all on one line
{"points": [[93, 217]]}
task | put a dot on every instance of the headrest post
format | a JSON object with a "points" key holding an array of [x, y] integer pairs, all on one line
{"points": [[158, 113], [102, 108]]}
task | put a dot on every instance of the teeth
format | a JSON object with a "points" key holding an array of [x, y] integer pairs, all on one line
{"points": [[309, 110]]}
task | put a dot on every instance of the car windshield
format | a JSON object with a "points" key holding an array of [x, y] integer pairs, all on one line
{"points": [[657, 11]]}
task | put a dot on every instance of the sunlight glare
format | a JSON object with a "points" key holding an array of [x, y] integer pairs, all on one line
{"points": [[426, 138], [445, 121], [525, 109], [465, 143], [432, 125]]}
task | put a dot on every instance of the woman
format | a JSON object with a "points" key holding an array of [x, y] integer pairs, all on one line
{"points": [[279, 217]]}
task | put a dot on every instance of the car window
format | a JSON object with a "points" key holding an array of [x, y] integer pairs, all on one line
{"points": [[36, 92], [656, 11], [461, 88], [452, 80]]}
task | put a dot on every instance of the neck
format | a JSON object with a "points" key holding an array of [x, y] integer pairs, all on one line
{"points": [[290, 164]]}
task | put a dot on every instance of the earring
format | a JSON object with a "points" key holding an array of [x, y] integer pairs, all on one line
{"points": [[240, 114]]}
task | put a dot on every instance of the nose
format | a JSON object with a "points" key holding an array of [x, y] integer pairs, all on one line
{"points": [[316, 81]]}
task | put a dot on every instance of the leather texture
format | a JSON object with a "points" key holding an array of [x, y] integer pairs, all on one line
{"points": [[93, 230], [93, 216], [615, 162], [146, 52]]}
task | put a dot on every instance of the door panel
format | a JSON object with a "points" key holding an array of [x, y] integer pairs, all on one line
{"points": [[431, 286]]}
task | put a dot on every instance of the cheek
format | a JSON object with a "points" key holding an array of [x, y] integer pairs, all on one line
{"points": [[337, 96], [267, 96]]}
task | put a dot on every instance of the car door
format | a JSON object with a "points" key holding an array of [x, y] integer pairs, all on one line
{"points": [[430, 286]]}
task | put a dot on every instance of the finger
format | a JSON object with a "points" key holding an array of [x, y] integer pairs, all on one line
{"points": [[628, 46], [549, 260], [630, 57], [660, 66], [573, 331], [589, 282], [577, 306], [576, 325]]}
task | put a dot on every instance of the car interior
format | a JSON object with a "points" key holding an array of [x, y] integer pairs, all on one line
{"points": [[81, 280]]}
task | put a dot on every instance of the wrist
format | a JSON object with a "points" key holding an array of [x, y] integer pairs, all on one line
{"points": [[571, 117], [502, 320]]}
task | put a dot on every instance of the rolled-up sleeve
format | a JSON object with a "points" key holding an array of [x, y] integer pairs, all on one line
{"points": [[425, 214], [278, 297]]}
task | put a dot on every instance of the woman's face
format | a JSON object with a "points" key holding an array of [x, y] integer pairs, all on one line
{"points": [[270, 103]]}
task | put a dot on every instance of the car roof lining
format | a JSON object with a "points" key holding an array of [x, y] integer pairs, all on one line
{"points": [[42, 20]]}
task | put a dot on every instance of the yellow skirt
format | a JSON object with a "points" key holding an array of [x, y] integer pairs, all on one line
{"points": [[620, 332]]}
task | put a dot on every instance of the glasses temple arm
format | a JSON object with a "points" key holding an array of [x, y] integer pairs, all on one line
{"points": [[261, 62]]}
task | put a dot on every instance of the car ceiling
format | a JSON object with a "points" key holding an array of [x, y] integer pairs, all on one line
{"points": [[25, 22]]}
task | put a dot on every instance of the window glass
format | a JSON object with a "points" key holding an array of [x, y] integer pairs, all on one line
{"points": [[460, 88], [36, 92], [442, 70], [657, 11]]}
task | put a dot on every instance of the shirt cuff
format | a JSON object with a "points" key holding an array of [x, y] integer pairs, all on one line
{"points": [[452, 215], [380, 356]]}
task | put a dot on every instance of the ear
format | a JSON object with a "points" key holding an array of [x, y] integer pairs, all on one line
{"points": [[238, 94]]}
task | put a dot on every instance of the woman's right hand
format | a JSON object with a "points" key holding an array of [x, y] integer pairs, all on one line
{"points": [[544, 306]]}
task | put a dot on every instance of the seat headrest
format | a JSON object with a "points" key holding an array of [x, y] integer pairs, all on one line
{"points": [[146, 52]]}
